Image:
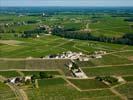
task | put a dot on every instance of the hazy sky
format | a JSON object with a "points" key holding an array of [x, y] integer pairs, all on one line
{"points": [[66, 2]]}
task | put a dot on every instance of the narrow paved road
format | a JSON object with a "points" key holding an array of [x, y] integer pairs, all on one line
{"points": [[118, 94], [108, 66], [17, 59]]}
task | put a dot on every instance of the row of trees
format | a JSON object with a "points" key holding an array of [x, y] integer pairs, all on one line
{"points": [[129, 19], [32, 22], [41, 75], [126, 39], [33, 33], [108, 79]]}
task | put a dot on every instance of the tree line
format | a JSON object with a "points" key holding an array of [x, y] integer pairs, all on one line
{"points": [[129, 19], [125, 39], [33, 33]]}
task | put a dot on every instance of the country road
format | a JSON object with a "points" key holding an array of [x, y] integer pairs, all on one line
{"points": [[17, 59], [20, 94], [20, 59]]}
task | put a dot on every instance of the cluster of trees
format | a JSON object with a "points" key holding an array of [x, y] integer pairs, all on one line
{"points": [[72, 26], [32, 22], [128, 14], [33, 33], [74, 66], [109, 79], [41, 75], [129, 20], [126, 39], [70, 34]]}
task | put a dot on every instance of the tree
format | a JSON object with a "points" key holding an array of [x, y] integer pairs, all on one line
{"points": [[44, 75], [35, 76]]}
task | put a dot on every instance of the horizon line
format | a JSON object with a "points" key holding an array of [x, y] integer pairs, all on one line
{"points": [[66, 6]]}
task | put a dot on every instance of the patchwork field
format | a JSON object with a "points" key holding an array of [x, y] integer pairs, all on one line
{"points": [[126, 90], [87, 84], [46, 45], [128, 78], [60, 89], [117, 62], [106, 71], [26, 39]]}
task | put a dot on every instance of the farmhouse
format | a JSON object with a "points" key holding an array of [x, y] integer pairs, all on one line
{"points": [[15, 80], [79, 73], [70, 65], [70, 55], [37, 36], [120, 79], [98, 56], [76, 71], [27, 78], [100, 52], [29, 57], [48, 28], [84, 59]]}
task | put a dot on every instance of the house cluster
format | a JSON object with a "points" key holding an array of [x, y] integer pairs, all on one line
{"points": [[77, 55], [47, 28], [98, 54], [16, 80], [21, 15], [76, 71], [45, 14], [70, 55], [79, 73], [13, 24]]}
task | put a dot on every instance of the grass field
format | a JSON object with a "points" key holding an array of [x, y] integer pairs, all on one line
{"points": [[112, 26], [35, 64], [109, 59], [9, 74], [127, 90], [87, 84], [53, 45], [46, 45], [106, 71], [105, 24], [128, 55], [37, 72], [104, 98], [59, 89], [128, 78], [49, 82], [6, 93], [117, 62]]}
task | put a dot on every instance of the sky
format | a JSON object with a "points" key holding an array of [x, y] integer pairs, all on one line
{"points": [[88, 3]]}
